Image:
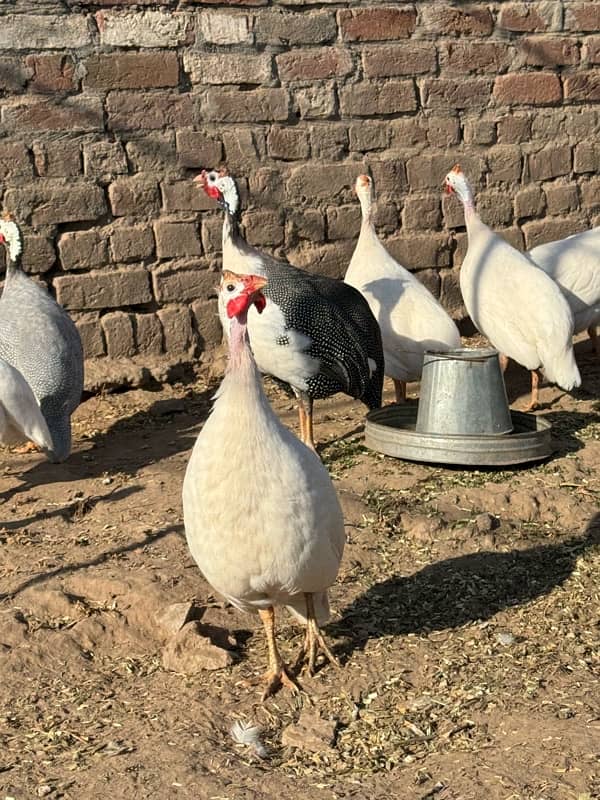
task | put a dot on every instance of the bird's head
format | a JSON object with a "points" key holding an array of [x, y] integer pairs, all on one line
{"points": [[219, 185], [10, 237], [239, 292], [455, 182], [364, 185]]}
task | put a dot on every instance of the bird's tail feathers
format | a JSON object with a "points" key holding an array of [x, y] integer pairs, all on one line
{"points": [[297, 607], [561, 368]]}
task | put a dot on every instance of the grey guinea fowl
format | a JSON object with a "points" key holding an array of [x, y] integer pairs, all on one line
{"points": [[40, 340]]}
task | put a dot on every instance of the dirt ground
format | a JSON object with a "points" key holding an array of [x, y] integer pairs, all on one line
{"points": [[466, 617]]}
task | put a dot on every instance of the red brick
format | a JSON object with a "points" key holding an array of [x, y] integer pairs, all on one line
{"points": [[198, 149], [52, 73], [445, 19], [551, 162], [583, 87], [230, 105], [525, 17], [377, 24], [456, 93], [177, 239], [529, 88], [108, 289], [143, 110], [57, 160], [82, 250], [591, 50], [288, 144], [462, 57], [131, 70], [71, 114], [544, 51], [582, 17], [367, 98], [133, 195], [308, 65], [410, 58]]}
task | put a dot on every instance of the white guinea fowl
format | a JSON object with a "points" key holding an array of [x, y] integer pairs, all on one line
{"points": [[20, 415], [512, 302], [411, 319], [262, 519], [574, 263]]}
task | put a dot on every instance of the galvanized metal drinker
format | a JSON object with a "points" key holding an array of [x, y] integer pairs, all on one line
{"points": [[462, 417]]}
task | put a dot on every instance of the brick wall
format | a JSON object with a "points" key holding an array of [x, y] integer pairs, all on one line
{"points": [[108, 108]]}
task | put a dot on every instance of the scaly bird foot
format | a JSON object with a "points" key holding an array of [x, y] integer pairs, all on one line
{"points": [[313, 641], [275, 680]]}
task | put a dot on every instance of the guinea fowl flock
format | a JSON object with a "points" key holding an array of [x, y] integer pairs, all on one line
{"points": [[271, 531]]}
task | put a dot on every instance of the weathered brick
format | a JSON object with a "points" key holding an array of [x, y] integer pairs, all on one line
{"points": [[452, 213], [212, 234], [377, 23], [219, 27], [109, 289], [389, 175], [529, 202], [132, 70], [450, 294], [551, 162], [38, 254], [176, 323], [90, 330], [407, 131], [104, 159], [206, 322], [505, 163], [456, 93], [266, 186], [142, 29], [590, 193], [429, 171], [583, 87], [545, 51], [15, 162], [244, 148], [528, 88], [329, 142], [445, 19], [197, 149], [366, 98], [461, 57], [13, 74], [51, 73], [582, 17], [550, 230], [177, 239], [495, 208], [422, 212], [419, 251], [330, 259], [306, 223], [147, 334], [153, 153], [82, 250], [53, 201], [590, 53], [57, 159], [479, 131], [586, 157], [374, 136], [410, 58], [71, 114], [385, 217], [561, 198], [514, 129], [118, 333], [288, 144], [247, 68], [264, 227], [230, 105], [233, 2], [315, 102], [309, 65], [176, 284], [43, 31], [343, 222], [287, 29], [548, 125], [321, 180], [526, 17], [133, 195], [132, 243], [184, 196], [143, 110]]}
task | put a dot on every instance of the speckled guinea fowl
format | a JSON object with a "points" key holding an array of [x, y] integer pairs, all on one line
{"points": [[40, 340], [316, 333]]}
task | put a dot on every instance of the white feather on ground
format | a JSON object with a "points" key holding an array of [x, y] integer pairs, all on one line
{"points": [[246, 734]]}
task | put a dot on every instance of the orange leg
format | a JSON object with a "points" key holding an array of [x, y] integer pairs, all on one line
{"points": [[314, 639], [594, 337], [535, 380], [400, 389], [503, 362], [277, 674]]}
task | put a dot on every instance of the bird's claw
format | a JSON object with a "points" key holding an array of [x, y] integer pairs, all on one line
{"points": [[278, 678]]}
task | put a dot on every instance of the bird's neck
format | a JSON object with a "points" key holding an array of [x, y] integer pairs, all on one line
{"points": [[240, 355], [366, 207]]}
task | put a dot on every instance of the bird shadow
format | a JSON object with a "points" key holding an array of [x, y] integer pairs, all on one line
{"points": [[460, 590]]}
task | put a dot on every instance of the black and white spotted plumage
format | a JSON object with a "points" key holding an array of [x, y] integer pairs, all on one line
{"points": [[40, 340]]}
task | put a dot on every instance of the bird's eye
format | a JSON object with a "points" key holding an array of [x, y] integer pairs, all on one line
{"points": [[230, 287], [212, 177]]}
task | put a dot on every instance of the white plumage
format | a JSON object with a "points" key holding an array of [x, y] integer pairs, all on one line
{"points": [[20, 415], [574, 263], [516, 305], [411, 319], [262, 518]]}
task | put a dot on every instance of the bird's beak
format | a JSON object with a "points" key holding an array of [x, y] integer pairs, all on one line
{"points": [[201, 179], [256, 282]]}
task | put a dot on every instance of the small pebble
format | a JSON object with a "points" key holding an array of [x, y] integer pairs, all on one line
{"points": [[106, 481], [505, 638]]}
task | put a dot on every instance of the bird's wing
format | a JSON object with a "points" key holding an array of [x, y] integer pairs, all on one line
{"points": [[21, 408]]}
